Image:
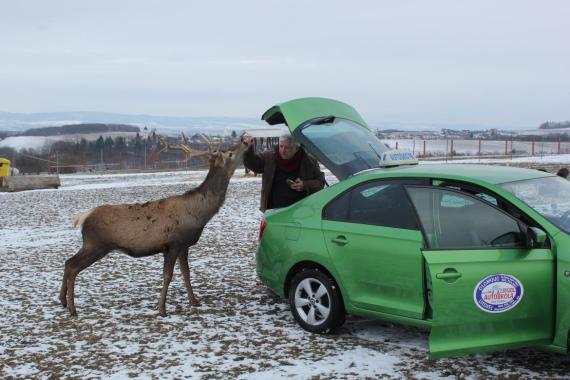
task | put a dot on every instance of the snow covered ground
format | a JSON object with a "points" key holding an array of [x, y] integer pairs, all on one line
{"points": [[239, 331], [549, 160], [472, 147]]}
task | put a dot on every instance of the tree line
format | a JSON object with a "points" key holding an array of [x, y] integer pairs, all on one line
{"points": [[104, 153]]}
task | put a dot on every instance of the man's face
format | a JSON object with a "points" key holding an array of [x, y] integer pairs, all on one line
{"points": [[287, 149]]}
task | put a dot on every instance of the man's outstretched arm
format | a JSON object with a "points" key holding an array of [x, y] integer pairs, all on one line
{"points": [[251, 160]]}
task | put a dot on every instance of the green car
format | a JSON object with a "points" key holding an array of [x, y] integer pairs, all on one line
{"points": [[478, 254]]}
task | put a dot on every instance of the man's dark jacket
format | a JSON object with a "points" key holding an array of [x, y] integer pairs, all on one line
{"points": [[309, 172]]}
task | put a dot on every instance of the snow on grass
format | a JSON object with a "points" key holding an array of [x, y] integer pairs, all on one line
{"points": [[562, 159], [238, 331], [356, 363]]}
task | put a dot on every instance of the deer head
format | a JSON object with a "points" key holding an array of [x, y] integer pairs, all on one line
{"points": [[226, 160]]}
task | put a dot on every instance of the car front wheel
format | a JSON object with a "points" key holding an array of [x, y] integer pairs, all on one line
{"points": [[315, 301]]}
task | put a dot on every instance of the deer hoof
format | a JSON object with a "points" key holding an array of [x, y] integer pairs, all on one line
{"points": [[162, 313], [73, 312], [195, 302]]}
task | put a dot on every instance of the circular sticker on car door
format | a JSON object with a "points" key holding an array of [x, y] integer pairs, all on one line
{"points": [[498, 293]]}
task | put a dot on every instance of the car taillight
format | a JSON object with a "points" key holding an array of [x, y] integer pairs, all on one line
{"points": [[262, 228]]}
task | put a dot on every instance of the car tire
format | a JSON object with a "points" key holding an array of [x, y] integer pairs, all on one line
{"points": [[315, 301]]}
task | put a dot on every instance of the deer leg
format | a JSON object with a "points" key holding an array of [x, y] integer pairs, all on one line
{"points": [[183, 262], [81, 260], [63, 291], [169, 261], [66, 273], [71, 293]]}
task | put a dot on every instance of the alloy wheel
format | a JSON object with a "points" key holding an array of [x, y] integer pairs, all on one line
{"points": [[312, 301]]}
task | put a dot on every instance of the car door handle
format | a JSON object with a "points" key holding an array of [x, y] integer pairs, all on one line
{"points": [[448, 275], [340, 240]]}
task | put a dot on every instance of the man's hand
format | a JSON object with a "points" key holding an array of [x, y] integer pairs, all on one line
{"points": [[247, 139], [297, 185]]}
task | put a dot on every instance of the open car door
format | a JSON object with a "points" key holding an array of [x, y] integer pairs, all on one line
{"points": [[331, 131], [488, 290]]}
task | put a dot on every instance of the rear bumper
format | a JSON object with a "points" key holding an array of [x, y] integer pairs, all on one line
{"points": [[266, 274]]}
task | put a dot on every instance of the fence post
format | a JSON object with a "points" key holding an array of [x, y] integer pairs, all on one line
{"points": [[506, 147], [424, 149], [558, 145], [479, 149], [396, 145], [532, 154], [451, 149]]}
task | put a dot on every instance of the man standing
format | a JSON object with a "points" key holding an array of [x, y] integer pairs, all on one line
{"points": [[289, 174]]}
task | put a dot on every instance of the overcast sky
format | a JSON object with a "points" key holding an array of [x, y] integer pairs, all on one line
{"points": [[499, 63]]}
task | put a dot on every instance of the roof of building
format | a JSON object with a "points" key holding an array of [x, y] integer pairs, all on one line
{"points": [[265, 132]]}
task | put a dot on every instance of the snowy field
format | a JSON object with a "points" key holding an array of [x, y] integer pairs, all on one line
{"points": [[239, 331], [556, 161], [471, 147]]}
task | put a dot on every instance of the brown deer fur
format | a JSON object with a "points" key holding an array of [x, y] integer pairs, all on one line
{"points": [[170, 225]]}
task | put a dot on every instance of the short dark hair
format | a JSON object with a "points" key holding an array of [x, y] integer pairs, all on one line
{"points": [[563, 172]]}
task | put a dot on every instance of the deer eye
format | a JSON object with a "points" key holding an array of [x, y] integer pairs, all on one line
{"points": [[231, 154]]}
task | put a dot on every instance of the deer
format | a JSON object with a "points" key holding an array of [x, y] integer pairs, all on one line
{"points": [[169, 226]]}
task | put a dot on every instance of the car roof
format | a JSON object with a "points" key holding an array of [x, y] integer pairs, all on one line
{"points": [[493, 174]]}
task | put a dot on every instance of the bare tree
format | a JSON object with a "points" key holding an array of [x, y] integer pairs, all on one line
{"points": [[169, 225]]}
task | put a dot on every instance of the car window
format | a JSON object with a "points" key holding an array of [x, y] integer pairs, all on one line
{"points": [[549, 196], [343, 141], [449, 200], [343, 146], [338, 209], [488, 198], [468, 189], [452, 219], [372, 190], [379, 203]]}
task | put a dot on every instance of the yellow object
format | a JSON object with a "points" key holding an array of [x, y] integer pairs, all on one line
{"points": [[4, 167]]}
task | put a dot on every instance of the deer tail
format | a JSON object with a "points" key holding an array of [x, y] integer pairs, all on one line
{"points": [[78, 219]]}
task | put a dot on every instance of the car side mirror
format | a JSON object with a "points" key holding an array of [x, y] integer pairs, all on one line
{"points": [[536, 236]]}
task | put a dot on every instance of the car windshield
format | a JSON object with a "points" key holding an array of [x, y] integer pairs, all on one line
{"points": [[549, 196], [349, 147]]}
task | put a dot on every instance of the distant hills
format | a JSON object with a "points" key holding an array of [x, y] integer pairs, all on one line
{"points": [[173, 125], [19, 122], [79, 129], [555, 125]]}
